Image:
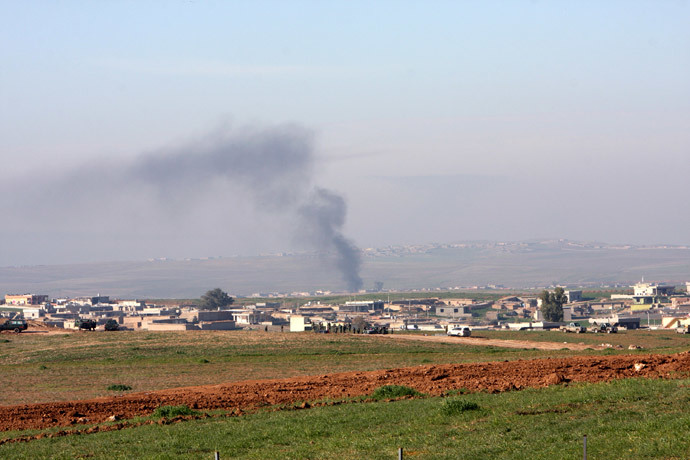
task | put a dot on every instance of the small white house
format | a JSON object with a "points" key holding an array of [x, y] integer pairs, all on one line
{"points": [[299, 323]]}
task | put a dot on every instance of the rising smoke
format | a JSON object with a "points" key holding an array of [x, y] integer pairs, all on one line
{"points": [[324, 214], [273, 167]]}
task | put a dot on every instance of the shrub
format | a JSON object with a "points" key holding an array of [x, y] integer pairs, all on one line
{"points": [[173, 411], [457, 406], [456, 392], [119, 387], [394, 391]]}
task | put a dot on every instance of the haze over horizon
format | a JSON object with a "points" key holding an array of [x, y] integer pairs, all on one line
{"points": [[418, 121]]}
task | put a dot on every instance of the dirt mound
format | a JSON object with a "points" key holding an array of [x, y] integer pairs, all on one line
{"points": [[434, 379]]}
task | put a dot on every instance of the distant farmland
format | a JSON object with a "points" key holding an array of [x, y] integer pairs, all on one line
{"points": [[515, 265]]}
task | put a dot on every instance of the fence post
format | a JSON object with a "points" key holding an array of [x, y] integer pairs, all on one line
{"points": [[216, 455], [400, 455], [585, 447]]}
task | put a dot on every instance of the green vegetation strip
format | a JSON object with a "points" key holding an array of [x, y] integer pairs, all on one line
{"points": [[119, 387], [173, 411], [394, 391], [625, 419]]}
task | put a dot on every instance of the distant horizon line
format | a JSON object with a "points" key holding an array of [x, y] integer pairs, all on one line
{"points": [[366, 251]]}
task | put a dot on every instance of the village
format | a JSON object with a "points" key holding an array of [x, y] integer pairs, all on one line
{"points": [[652, 305]]}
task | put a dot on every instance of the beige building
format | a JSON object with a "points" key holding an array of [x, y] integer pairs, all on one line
{"points": [[25, 299], [299, 323]]}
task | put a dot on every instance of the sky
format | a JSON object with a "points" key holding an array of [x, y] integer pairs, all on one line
{"points": [[425, 121]]}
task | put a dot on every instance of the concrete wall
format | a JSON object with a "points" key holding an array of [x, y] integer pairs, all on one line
{"points": [[218, 326], [212, 315], [168, 326]]}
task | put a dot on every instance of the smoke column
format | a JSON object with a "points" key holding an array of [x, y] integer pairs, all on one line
{"points": [[276, 166], [324, 215], [273, 167]]}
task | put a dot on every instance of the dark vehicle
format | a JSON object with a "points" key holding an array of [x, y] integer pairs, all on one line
{"points": [[605, 327], [111, 325], [16, 325], [376, 330], [87, 324]]}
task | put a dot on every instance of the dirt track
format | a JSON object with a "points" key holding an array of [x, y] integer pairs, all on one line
{"points": [[482, 341], [432, 379]]}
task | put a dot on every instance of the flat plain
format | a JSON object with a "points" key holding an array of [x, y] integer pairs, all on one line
{"points": [[39, 367], [42, 367]]}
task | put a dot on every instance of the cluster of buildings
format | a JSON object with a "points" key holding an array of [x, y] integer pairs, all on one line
{"points": [[134, 314], [658, 304]]}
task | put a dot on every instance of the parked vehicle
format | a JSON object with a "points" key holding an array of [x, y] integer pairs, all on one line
{"points": [[16, 325], [376, 330], [573, 327], [111, 325], [604, 327], [460, 331], [683, 329], [87, 324]]}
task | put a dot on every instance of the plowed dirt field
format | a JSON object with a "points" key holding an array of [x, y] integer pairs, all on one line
{"points": [[432, 379]]}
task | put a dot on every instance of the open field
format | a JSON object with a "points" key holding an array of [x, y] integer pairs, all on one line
{"points": [[493, 377], [624, 419], [57, 367], [42, 367]]}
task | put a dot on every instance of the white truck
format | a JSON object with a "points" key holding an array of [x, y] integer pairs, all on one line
{"points": [[459, 331], [573, 327]]}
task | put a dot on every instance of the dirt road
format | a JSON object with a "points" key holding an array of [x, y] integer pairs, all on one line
{"points": [[482, 341]]}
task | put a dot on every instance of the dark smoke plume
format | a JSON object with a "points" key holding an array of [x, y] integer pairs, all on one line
{"points": [[273, 166], [276, 167], [324, 215]]}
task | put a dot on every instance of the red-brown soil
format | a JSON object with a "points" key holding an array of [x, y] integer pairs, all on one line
{"points": [[431, 379]]}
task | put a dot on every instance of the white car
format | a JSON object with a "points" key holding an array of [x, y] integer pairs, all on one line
{"points": [[460, 331]]}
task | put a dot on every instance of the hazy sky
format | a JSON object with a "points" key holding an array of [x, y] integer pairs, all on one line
{"points": [[435, 121]]}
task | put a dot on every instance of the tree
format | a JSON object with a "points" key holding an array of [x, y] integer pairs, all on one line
{"points": [[552, 304], [214, 299], [358, 322]]}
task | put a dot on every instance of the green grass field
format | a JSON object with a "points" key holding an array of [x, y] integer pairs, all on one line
{"points": [[624, 419], [656, 341], [627, 419], [41, 367]]}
